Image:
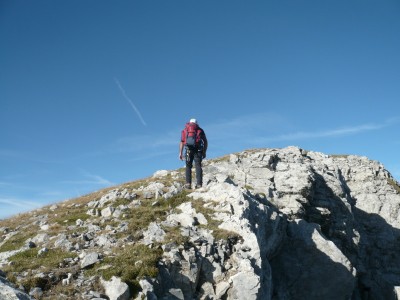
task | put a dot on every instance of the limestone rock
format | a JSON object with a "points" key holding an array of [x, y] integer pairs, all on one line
{"points": [[89, 259], [40, 239], [221, 289], [63, 242], [188, 217], [8, 292], [107, 212], [160, 173], [245, 285], [154, 233], [116, 289]]}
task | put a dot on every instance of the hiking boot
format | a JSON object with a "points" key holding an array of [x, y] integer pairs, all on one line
{"points": [[198, 186], [187, 186]]}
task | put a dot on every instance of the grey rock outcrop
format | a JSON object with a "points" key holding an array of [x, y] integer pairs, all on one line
{"points": [[8, 292], [116, 289], [307, 220], [267, 224]]}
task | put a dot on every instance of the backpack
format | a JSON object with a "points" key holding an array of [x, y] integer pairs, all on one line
{"points": [[192, 135]]}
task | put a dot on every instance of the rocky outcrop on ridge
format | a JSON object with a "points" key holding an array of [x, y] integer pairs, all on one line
{"points": [[268, 224]]}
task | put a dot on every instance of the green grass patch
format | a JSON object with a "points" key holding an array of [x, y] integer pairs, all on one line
{"points": [[182, 172], [70, 217], [394, 184], [31, 282], [17, 241], [212, 224], [137, 184], [339, 155], [130, 264], [121, 201], [29, 260], [224, 158], [222, 234], [173, 235], [140, 217], [199, 206], [17, 221], [167, 180], [67, 292]]}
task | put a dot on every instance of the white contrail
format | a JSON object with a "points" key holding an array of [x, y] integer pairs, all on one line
{"points": [[130, 101], [329, 133], [339, 131], [90, 179], [19, 203]]}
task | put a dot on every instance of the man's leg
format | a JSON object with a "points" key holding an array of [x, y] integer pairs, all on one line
{"points": [[189, 164], [199, 171]]}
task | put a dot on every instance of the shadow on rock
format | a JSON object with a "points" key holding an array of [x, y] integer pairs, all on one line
{"points": [[306, 267], [310, 267]]}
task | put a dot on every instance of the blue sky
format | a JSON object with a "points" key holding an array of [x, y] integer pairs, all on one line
{"points": [[94, 93]]}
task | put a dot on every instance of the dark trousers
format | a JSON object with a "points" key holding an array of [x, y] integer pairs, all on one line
{"points": [[197, 156]]}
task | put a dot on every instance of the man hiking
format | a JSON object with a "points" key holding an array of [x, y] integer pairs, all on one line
{"points": [[194, 140]]}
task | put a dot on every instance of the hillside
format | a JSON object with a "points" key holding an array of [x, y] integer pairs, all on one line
{"points": [[268, 224]]}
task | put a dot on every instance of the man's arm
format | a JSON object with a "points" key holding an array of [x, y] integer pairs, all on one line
{"points": [[205, 145], [181, 144], [181, 150]]}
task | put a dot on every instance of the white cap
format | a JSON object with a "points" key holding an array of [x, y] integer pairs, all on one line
{"points": [[193, 121]]}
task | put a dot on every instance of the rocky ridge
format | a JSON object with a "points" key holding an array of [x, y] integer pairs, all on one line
{"points": [[268, 224]]}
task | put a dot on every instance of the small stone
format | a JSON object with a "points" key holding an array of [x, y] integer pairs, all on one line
{"points": [[42, 251], [116, 289], [45, 227], [160, 173], [89, 259], [31, 244], [176, 294], [148, 195], [221, 289], [36, 292]]}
